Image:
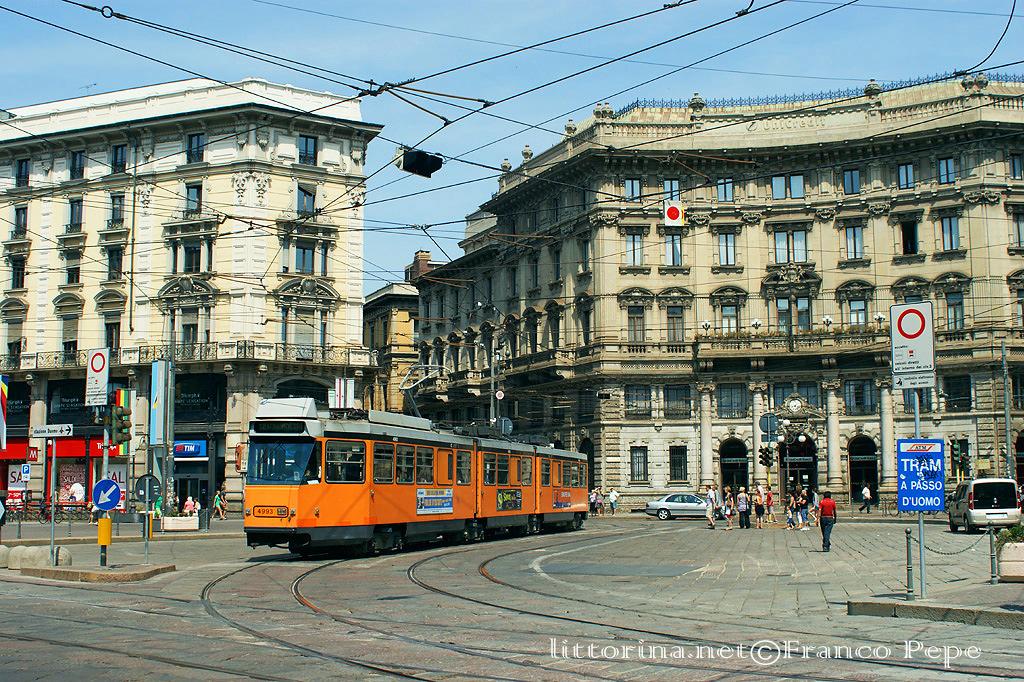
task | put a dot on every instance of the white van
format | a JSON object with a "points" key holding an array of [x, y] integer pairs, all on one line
{"points": [[984, 501]]}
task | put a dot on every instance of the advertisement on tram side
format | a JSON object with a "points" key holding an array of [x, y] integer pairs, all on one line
{"points": [[562, 499], [509, 499], [435, 500]]}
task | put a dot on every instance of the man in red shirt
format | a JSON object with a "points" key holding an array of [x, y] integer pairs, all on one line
{"points": [[827, 519]]}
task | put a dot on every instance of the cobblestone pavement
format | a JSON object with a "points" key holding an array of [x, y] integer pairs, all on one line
{"points": [[621, 600]]}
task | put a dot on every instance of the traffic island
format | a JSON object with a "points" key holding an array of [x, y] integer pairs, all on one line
{"points": [[108, 574], [992, 617]]}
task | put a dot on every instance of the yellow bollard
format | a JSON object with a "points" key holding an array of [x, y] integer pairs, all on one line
{"points": [[103, 532]]}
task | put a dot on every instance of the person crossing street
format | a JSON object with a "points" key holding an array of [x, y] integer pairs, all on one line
{"points": [[827, 519]]}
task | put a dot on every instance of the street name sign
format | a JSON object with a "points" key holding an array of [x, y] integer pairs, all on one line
{"points": [[106, 494], [97, 375], [921, 474], [52, 431], [912, 338]]}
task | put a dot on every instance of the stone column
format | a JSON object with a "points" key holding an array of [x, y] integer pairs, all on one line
{"points": [[835, 470], [757, 390], [887, 430], [707, 468]]}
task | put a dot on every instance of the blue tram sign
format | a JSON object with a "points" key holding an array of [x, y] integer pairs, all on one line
{"points": [[921, 474]]}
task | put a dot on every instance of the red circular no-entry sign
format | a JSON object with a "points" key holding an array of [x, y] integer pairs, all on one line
{"points": [[97, 362], [673, 213], [902, 328]]}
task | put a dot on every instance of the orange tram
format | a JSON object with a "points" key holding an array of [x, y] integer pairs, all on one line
{"points": [[313, 484]]}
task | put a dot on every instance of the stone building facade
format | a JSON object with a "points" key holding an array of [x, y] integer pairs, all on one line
{"points": [[215, 226], [655, 348]]}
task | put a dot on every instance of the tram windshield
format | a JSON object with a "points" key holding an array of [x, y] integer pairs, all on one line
{"points": [[283, 461]]}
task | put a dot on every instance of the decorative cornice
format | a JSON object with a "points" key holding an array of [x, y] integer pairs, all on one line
{"points": [[877, 208], [706, 386], [825, 214], [985, 196], [751, 217]]}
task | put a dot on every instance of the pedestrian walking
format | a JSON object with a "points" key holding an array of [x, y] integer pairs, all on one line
{"points": [[728, 506], [613, 500], [812, 506], [759, 508], [593, 501], [769, 505], [865, 505], [600, 503], [791, 512], [710, 505], [743, 508], [802, 504], [828, 516], [190, 506], [218, 505]]}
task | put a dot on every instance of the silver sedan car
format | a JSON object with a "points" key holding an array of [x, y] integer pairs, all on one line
{"points": [[676, 504]]}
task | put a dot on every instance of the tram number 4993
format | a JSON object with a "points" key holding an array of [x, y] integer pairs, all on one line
{"points": [[270, 511]]}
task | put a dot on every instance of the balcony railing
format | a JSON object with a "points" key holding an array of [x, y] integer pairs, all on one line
{"points": [[307, 158], [21, 181], [73, 228], [19, 233], [194, 155], [115, 223]]}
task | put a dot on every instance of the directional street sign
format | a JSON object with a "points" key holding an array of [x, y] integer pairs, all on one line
{"points": [[916, 380], [52, 431], [148, 483], [2, 510], [97, 374], [912, 335], [921, 475], [106, 494], [26, 472]]}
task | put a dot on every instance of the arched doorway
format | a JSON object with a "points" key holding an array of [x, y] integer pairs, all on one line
{"points": [[586, 447], [732, 458], [863, 467], [798, 463]]}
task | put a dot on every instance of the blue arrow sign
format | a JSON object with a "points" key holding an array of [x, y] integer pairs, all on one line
{"points": [[106, 494]]}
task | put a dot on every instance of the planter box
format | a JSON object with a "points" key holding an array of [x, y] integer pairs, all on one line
{"points": [[1011, 563], [176, 523]]}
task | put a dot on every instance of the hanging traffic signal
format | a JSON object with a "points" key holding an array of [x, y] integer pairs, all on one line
{"points": [[418, 162], [765, 456], [121, 425]]}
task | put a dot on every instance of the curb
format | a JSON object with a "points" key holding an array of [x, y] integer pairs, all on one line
{"points": [[116, 574], [969, 615], [842, 519], [37, 542]]}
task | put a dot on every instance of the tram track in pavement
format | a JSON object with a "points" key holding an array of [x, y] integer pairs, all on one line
{"points": [[972, 672]]}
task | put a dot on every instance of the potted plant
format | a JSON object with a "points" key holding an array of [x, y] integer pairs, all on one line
{"points": [[1010, 550]]}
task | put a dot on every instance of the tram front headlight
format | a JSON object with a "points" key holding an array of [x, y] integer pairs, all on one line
{"points": [[248, 511], [291, 512]]}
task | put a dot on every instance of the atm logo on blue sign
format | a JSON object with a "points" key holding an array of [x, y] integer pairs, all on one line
{"points": [[189, 449]]}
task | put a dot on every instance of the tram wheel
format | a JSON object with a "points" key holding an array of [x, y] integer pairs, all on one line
{"points": [[577, 522], [372, 546]]}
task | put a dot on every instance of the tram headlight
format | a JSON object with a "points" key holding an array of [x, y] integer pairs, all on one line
{"points": [[291, 512], [248, 511]]}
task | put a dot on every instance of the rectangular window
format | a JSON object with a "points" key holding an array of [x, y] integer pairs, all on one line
{"points": [[75, 215], [925, 397], [634, 249], [954, 310], [193, 199], [638, 464], [950, 233], [345, 462], [908, 236], [860, 396], [632, 189], [584, 255], [304, 254], [534, 272], [799, 249], [501, 470], [635, 328], [193, 257], [424, 464], [958, 393], [15, 332], [306, 205], [513, 281], [638, 400], [566, 474], [17, 273], [724, 189], [779, 187], [463, 467], [781, 247], [115, 264], [118, 158], [851, 181], [809, 391], [195, 148], [677, 463], [526, 471], [791, 246], [947, 171], [855, 241], [405, 464], [676, 328], [1018, 229], [905, 176], [670, 190], [796, 187], [383, 463], [782, 312], [116, 210], [556, 264], [585, 326], [307, 150], [21, 172], [726, 248], [732, 400], [545, 472], [73, 269], [112, 334], [858, 312], [1018, 317], [1017, 166], [20, 222], [190, 333], [77, 165], [678, 402], [730, 319], [674, 250], [803, 314]]}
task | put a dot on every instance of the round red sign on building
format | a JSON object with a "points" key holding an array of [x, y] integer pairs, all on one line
{"points": [[903, 326], [673, 213]]}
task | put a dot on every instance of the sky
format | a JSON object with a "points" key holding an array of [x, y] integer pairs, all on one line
{"points": [[393, 41]]}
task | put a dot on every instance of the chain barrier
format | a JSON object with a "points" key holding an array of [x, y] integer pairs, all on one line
{"points": [[959, 551]]}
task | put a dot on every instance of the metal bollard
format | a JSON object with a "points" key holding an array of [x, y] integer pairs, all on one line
{"points": [[117, 527], [19, 524], [994, 580], [70, 521], [910, 568]]}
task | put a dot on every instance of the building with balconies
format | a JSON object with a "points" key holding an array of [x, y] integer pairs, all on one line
{"points": [[215, 226], [655, 347]]}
